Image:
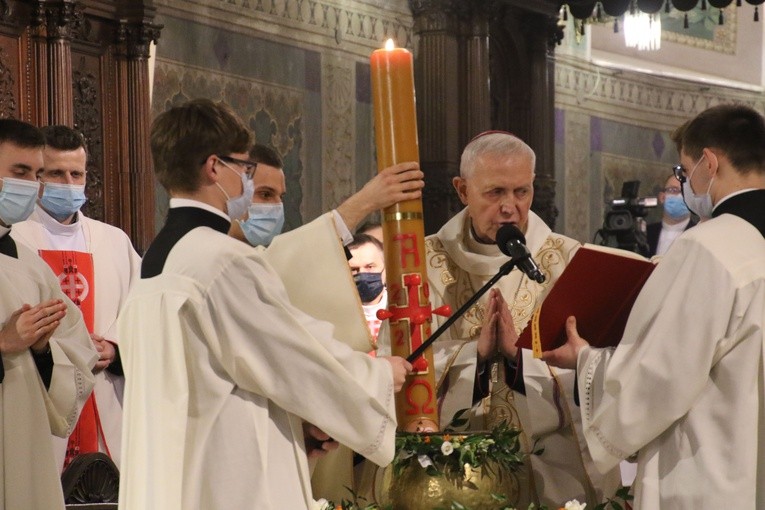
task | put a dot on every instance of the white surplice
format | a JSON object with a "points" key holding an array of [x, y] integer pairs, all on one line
{"points": [[28, 470], [221, 371], [685, 386], [323, 288], [457, 267], [115, 265]]}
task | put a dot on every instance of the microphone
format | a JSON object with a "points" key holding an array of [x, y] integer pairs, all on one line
{"points": [[512, 243]]}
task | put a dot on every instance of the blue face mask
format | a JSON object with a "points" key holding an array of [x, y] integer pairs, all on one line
{"points": [[237, 206], [17, 199], [263, 223], [62, 200], [675, 207], [369, 285]]}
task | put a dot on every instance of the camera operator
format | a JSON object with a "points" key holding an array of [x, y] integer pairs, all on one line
{"points": [[675, 219], [624, 226]]}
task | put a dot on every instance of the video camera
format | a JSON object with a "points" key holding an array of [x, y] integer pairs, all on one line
{"points": [[624, 225]]}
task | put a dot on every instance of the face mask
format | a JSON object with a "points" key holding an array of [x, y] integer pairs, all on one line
{"points": [[699, 204], [263, 223], [675, 207], [369, 285], [62, 200], [17, 199], [237, 206]]}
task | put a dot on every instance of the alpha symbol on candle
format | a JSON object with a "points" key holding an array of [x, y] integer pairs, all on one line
{"points": [[408, 247]]}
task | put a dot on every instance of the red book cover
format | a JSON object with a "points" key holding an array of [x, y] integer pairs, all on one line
{"points": [[598, 287]]}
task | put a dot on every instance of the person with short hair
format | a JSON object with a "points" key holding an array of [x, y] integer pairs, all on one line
{"points": [[47, 355], [222, 370], [367, 265], [675, 218], [323, 291], [67, 239], [684, 387], [372, 228]]}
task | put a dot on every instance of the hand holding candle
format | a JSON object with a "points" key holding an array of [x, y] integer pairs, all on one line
{"points": [[404, 234]]}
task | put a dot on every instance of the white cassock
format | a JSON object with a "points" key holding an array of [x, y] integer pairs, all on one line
{"points": [[28, 470], [547, 416], [685, 387], [115, 265], [222, 370]]}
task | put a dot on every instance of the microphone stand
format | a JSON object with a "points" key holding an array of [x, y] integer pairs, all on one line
{"points": [[503, 271]]}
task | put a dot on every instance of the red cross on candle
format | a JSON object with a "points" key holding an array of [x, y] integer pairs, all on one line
{"points": [[415, 313]]}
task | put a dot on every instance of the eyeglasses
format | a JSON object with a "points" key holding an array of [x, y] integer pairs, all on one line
{"points": [[249, 166], [679, 173], [672, 190]]}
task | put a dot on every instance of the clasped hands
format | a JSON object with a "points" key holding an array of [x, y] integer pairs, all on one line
{"points": [[106, 352], [317, 442], [498, 333], [31, 327]]}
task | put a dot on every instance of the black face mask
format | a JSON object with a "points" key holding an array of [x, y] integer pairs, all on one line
{"points": [[369, 285]]}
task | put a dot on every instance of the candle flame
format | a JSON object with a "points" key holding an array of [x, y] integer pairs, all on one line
{"points": [[389, 45]]}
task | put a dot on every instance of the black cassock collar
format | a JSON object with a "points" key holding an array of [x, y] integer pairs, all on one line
{"points": [[749, 206], [8, 246], [180, 221]]}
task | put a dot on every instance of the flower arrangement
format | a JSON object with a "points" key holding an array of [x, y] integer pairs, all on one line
{"points": [[348, 505], [610, 504], [446, 454]]}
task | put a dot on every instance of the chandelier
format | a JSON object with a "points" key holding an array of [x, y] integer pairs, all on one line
{"points": [[642, 31]]}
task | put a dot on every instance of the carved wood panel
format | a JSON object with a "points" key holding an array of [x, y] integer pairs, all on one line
{"points": [[83, 63], [10, 74], [88, 119]]}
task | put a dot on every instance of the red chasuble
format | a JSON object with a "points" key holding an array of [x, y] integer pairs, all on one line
{"points": [[75, 274]]}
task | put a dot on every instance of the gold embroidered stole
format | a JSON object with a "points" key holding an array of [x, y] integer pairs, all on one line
{"points": [[523, 297]]}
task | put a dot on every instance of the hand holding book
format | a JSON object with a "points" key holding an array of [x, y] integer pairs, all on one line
{"points": [[566, 355], [598, 287]]}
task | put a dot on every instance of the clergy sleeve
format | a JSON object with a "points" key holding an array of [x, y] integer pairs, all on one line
{"points": [[115, 367], [44, 363], [482, 378], [513, 378], [271, 348], [514, 374]]}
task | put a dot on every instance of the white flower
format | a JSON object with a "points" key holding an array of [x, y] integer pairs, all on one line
{"points": [[575, 505], [321, 504], [447, 448], [424, 461]]}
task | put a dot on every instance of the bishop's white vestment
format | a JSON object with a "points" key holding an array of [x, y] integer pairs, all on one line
{"points": [[115, 265], [29, 412], [222, 370], [685, 388], [457, 267]]}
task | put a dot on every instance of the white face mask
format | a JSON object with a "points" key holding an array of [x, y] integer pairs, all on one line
{"points": [[17, 199], [700, 204], [237, 206]]}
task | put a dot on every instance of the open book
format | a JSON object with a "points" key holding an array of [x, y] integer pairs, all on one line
{"points": [[598, 287]]}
